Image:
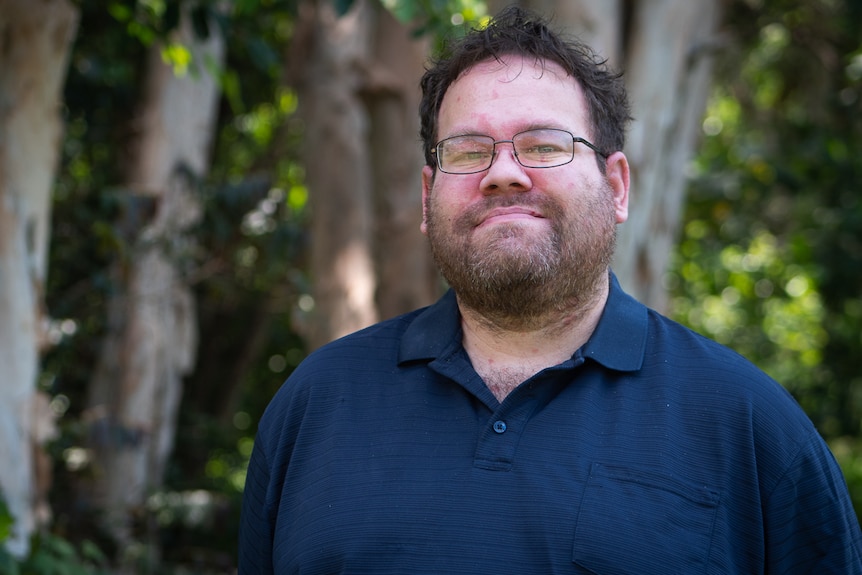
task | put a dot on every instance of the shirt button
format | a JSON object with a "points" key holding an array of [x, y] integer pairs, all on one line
{"points": [[500, 426]]}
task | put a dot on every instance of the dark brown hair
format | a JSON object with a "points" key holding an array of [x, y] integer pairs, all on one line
{"points": [[516, 31]]}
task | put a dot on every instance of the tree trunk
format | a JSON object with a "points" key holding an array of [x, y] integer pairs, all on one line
{"points": [[334, 50], [669, 60], [152, 328], [407, 278], [665, 48], [357, 78], [36, 38]]}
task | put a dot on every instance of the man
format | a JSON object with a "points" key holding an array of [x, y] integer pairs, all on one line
{"points": [[536, 419]]}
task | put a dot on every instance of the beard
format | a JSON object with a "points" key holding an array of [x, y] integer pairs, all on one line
{"points": [[513, 276]]}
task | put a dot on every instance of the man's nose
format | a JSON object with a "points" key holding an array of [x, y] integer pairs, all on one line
{"points": [[505, 173]]}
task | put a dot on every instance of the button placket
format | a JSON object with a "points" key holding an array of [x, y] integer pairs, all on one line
{"points": [[501, 434]]}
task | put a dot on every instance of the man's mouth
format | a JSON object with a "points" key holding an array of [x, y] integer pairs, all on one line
{"points": [[509, 214]]}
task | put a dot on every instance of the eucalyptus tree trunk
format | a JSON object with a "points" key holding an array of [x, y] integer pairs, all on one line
{"points": [[36, 39], [407, 277], [668, 61], [357, 76], [152, 329], [666, 49]]}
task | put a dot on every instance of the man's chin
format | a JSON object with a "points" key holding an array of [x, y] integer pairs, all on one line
{"points": [[511, 235]]}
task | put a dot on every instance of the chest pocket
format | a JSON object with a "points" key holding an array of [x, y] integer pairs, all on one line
{"points": [[642, 523]]}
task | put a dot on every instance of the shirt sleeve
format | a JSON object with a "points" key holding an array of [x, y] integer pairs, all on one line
{"points": [[811, 526], [256, 528]]}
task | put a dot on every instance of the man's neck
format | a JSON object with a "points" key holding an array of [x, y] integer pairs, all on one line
{"points": [[505, 357]]}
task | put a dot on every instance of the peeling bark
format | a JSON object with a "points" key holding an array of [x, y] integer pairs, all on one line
{"points": [[151, 337], [35, 41], [669, 74]]}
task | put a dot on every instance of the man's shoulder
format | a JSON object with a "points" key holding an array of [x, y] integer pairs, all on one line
{"points": [[378, 342], [687, 346], [714, 373], [340, 368], [634, 337], [380, 333]]}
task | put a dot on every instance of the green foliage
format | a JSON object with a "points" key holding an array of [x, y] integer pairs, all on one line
{"points": [[244, 267], [848, 452], [54, 555], [437, 15], [6, 520], [439, 19], [770, 260]]}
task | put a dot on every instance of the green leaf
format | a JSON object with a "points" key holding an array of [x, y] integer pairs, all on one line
{"points": [[6, 520], [120, 12]]}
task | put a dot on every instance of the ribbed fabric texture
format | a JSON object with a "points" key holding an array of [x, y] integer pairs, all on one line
{"points": [[652, 451]]}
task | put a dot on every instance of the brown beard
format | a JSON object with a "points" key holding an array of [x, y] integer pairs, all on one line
{"points": [[517, 285]]}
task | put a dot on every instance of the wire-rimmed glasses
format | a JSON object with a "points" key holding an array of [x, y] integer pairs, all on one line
{"points": [[544, 148]]}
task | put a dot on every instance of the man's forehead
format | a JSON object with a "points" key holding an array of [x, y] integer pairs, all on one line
{"points": [[508, 67], [535, 87]]}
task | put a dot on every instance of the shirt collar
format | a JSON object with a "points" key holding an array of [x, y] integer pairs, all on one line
{"points": [[436, 329], [618, 341]]}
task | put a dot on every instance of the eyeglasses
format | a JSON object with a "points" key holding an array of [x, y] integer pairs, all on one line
{"points": [[547, 148]]}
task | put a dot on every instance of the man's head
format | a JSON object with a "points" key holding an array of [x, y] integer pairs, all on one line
{"points": [[521, 215], [516, 32]]}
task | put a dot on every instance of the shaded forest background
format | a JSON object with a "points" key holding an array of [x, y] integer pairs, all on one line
{"points": [[769, 259]]}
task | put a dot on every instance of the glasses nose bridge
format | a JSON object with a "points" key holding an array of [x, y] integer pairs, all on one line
{"points": [[503, 142], [514, 150]]}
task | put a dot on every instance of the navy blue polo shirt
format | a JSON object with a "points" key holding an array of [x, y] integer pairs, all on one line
{"points": [[652, 451]]}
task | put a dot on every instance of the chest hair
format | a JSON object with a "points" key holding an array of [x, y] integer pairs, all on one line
{"points": [[502, 380]]}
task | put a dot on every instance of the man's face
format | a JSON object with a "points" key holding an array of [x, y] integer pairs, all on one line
{"points": [[515, 241]]}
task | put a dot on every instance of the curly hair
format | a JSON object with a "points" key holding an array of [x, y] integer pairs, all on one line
{"points": [[519, 32]]}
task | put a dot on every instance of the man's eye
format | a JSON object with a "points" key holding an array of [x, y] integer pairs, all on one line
{"points": [[543, 149], [468, 154], [474, 155]]}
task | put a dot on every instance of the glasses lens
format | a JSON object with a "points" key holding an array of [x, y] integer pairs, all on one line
{"points": [[544, 148], [465, 154]]}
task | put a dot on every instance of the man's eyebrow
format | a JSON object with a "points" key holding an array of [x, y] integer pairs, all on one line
{"points": [[534, 125], [551, 125]]}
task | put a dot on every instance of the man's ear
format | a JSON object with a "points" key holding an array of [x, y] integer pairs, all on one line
{"points": [[617, 173], [427, 183]]}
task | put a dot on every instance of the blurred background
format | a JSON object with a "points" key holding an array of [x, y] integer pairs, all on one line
{"points": [[196, 193]]}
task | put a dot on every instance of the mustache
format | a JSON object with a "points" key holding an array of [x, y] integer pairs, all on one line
{"points": [[540, 203]]}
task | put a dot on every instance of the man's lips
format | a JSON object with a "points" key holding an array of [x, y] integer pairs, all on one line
{"points": [[509, 214]]}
